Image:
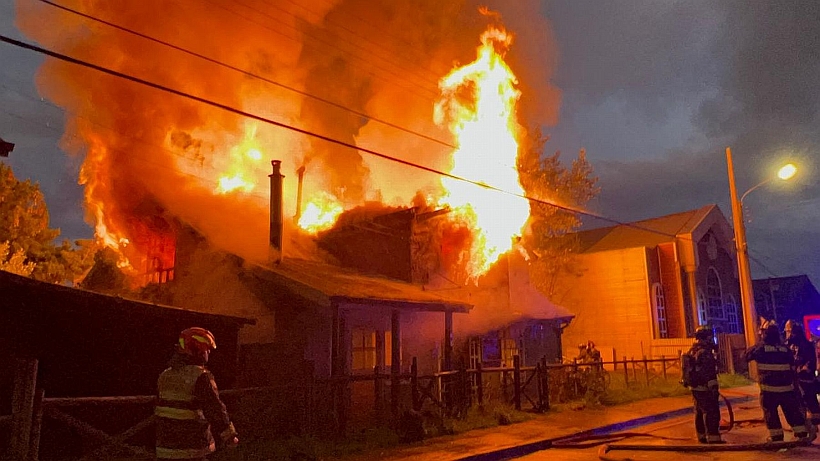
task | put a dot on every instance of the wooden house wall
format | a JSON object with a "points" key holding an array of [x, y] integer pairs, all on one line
{"points": [[610, 302]]}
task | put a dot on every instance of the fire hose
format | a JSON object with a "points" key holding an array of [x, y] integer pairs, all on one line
{"points": [[606, 442], [725, 427]]}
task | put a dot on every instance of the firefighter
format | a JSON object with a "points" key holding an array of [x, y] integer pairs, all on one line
{"points": [[593, 354], [776, 380], [805, 362], [700, 375], [583, 354], [189, 407]]}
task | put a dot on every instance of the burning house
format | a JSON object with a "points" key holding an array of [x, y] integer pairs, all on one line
{"points": [[176, 188]]}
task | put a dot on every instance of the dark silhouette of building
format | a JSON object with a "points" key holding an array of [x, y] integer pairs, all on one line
{"points": [[784, 298]]}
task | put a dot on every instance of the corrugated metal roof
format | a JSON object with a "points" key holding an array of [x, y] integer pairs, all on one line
{"points": [[325, 284], [645, 233]]}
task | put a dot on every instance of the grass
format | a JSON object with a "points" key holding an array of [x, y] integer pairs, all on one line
{"points": [[490, 415], [618, 393], [726, 381], [370, 440]]}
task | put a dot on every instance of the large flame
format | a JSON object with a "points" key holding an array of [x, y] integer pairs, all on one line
{"points": [[478, 104], [245, 158]]}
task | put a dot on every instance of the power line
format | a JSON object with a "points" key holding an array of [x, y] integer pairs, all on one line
{"points": [[143, 159], [416, 71], [305, 132], [247, 73], [428, 92], [374, 24]]}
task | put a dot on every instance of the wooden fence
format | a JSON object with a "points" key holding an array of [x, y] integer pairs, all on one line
{"points": [[123, 425]]}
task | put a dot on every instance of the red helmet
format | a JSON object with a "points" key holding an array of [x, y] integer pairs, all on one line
{"points": [[196, 341]]}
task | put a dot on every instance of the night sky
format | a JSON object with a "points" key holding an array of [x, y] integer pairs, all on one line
{"points": [[654, 91]]}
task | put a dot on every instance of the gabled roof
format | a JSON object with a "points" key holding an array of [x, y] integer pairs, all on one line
{"points": [[645, 233], [326, 284]]}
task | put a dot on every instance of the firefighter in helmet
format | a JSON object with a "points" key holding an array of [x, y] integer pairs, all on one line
{"points": [[189, 407], [805, 362], [776, 380], [700, 376]]}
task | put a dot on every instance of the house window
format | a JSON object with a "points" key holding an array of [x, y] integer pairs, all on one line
{"points": [[714, 295], [703, 318], [509, 349], [660, 311], [363, 346], [732, 317]]}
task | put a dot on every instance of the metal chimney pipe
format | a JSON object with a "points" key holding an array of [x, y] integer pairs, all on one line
{"points": [[276, 223], [301, 173]]}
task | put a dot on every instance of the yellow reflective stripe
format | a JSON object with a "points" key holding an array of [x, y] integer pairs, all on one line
{"points": [[713, 438], [700, 388], [775, 349], [178, 413], [712, 382], [775, 432], [767, 388], [773, 366], [176, 396], [799, 429], [184, 453]]}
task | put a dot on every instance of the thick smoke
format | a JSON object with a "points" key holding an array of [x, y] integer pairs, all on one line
{"points": [[149, 154]]}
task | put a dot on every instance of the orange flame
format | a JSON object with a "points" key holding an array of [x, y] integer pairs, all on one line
{"points": [[320, 213], [478, 104], [245, 159]]}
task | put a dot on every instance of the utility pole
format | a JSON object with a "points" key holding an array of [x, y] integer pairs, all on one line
{"points": [[743, 270]]}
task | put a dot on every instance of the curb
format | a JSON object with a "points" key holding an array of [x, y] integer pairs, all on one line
{"points": [[532, 447]]}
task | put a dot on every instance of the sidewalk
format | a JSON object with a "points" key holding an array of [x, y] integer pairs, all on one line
{"points": [[505, 442]]}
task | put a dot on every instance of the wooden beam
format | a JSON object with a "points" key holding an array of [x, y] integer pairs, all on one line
{"points": [[413, 305], [22, 407], [335, 341], [36, 426], [448, 341], [395, 362]]}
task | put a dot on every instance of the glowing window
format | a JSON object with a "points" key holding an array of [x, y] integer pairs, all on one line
{"points": [[363, 346]]}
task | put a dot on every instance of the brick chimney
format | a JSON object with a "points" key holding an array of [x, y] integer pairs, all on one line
{"points": [[276, 230]]}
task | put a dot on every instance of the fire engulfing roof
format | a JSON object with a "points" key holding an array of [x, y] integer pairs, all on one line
{"points": [[326, 284]]}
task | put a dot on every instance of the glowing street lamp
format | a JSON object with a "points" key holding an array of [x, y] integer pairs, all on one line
{"points": [[744, 273]]}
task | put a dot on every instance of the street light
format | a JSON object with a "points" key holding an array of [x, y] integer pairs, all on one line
{"points": [[744, 273]]}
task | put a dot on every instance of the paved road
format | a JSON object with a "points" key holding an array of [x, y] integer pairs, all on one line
{"points": [[750, 430]]}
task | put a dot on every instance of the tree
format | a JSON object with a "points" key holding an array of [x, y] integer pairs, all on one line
{"points": [[24, 226], [551, 228], [14, 263]]}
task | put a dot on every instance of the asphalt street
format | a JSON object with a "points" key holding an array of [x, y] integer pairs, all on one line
{"points": [[680, 431]]}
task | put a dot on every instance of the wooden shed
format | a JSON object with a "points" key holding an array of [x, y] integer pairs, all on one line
{"points": [[90, 344]]}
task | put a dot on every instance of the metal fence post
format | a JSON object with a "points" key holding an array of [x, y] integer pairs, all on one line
{"points": [[517, 380], [479, 382], [626, 372]]}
